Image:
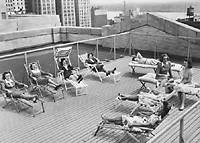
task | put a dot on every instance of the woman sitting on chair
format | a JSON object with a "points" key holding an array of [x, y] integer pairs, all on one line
{"points": [[42, 77], [12, 87], [140, 120], [185, 85], [163, 70], [99, 66], [69, 71]]}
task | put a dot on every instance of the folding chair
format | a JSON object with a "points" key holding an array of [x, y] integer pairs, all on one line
{"points": [[40, 87], [134, 130], [10, 100], [59, 53], [91, 68]]}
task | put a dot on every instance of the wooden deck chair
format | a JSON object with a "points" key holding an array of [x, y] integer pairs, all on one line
{"points": [[90, 69], [131, 131], [34, 83], [59, 53], [17, 101]]}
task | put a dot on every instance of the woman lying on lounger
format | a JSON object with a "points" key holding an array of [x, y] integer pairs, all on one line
{"points": [[42, 77], [139, 120], [14, 88], [142, 60], [99, 66], [69, 71]]}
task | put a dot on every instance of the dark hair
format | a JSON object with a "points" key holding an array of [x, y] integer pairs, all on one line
{"points": [[31, 66], [162, 57], [133, 57], [61, 62], [90, 54], [4, 75], [189, 62]]}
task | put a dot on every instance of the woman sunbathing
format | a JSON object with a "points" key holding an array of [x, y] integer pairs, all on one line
{"points": [[42, 77], [185, 84], [142, 60], [14, 88], [139, 120], [163, 70], [69, 71], [99, 66]]}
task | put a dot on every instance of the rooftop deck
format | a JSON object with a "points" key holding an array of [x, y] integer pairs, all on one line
{"points": [[74, 119]]}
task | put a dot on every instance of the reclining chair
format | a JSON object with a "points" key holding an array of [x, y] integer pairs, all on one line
{"points": [[133, 130], [91, 68], [41, 87], [59, 53], [18, 101]]}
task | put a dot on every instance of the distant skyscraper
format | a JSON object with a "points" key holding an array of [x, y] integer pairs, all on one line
{"points": [[15, 6], [41, 7], [83, 15], [3, 11], [66, 10]]}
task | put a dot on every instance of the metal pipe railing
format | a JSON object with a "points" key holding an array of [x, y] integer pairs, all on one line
{"points": [[176, 121]]}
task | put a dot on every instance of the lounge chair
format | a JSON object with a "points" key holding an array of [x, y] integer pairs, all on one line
{"points": [[19, 102], [41, 87], [133, 130], [91, 68], [59, 53], [175, 67]]}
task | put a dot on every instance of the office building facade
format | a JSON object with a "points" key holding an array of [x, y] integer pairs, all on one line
{"points": [[15, 6], [66, 10], [3, 10], [83, 13], [43, 7]]}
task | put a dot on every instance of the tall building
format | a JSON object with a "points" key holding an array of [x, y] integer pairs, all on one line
{"points": [[3, 11], [66, 10], [74, 12], [46, 7], [15, 6], [83, 15]]}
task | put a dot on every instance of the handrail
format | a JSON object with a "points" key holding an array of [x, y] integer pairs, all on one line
{"points": [[152, 140]]}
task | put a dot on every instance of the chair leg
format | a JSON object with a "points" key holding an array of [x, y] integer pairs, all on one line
{"points": [[100, 126]]}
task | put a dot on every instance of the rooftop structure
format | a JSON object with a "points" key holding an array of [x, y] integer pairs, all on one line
{"points": [[75, 119], [98, 17]]}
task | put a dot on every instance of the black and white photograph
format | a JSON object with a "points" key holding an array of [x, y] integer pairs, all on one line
{"points": [[99, 71]]}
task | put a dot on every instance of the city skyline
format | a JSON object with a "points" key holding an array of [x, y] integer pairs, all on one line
{"points": [[140, 1]]}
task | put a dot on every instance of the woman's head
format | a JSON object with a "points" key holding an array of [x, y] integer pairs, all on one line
{"points": [[188, 63], [33, 66], [63, 62], [90, 55], [6, 75], [164, 58]]}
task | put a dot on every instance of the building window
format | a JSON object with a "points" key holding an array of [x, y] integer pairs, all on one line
{"points": [[3, 15]]}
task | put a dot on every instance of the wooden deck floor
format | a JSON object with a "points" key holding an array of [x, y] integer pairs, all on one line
{"points": [[74, 119]]}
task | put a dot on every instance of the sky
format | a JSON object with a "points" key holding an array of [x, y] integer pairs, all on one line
{"points": [[138, 1]]}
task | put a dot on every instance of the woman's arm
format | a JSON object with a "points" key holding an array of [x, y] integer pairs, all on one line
{"points": [[43, 73], [187, 79], [170, 70], [4, 89]]}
